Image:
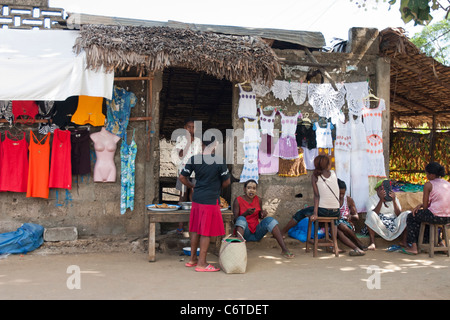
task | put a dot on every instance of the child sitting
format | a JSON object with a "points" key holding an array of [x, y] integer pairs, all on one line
{"points": [[346, 229]]}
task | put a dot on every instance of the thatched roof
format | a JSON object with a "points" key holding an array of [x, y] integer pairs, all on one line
{"points": [[420, 86], [235, 58]]}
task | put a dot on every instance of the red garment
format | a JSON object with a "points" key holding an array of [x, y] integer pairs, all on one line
{"points": [[61, 162], [24, 109], [206, 220], [252, 219], [14, 164], [39, 166]]}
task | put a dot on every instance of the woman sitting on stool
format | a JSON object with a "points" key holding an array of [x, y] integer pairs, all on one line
{"points": [[434, 209]]}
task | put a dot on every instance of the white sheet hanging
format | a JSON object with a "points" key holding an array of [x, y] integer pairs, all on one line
{"points": [[41, 65]]}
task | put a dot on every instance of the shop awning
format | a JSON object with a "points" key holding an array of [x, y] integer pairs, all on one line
{"points": [[41, 65]]}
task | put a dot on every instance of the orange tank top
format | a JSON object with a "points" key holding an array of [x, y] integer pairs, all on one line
{"points": [[39, 166]]}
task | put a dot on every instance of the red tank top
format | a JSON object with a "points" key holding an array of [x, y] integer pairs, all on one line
{"points": [[14, 164], [61, 164], [39, 166], [253, 219]]}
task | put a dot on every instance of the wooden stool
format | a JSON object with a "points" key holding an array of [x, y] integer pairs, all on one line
{"points": [[434, 238], [329, 221]]}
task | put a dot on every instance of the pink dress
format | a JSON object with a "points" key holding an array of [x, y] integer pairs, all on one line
{"points": [[286, 146]]}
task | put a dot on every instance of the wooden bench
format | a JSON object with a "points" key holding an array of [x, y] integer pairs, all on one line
{"points": [[177, 216]]}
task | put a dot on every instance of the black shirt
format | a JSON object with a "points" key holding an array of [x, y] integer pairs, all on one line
{"points": [[208, 178]]}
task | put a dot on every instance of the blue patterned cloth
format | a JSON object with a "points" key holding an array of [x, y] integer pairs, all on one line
{"points": [[127, 180], [118, 111]]}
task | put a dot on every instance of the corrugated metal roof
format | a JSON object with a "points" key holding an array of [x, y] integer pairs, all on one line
{"points": [[309, 39]]}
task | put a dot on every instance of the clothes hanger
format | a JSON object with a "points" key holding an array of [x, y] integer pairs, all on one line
{"points": [[305, 118], [245, 85]]}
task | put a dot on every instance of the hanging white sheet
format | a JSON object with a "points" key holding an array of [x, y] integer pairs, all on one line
{"points": [[41, 65]]}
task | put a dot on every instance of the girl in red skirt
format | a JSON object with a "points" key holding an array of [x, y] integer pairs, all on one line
{"points": [[206, 218]]}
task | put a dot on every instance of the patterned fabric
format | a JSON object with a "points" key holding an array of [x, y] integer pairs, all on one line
{"points": [[118, 111], [247, 104], [298, 92], [250, 142], [281, 89], [286, 146], [6, 111], [127, 159], [356, 92], [326, 101]]}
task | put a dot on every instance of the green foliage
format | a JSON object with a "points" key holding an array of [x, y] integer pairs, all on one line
{"points": [[419, 10], [434, 41]]}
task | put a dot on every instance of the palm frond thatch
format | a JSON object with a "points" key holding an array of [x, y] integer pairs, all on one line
{"points": [[235, 58]]}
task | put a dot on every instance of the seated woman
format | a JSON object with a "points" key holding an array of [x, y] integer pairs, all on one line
{"points": [[346, 229], [384, 218], [434, 209], [247, 210], [325, 187]]}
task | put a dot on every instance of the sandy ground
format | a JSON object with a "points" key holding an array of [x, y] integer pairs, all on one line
{"points": [[269, 276]]}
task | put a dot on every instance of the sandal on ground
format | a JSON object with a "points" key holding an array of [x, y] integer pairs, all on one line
{"points": [[356, 253], [403, 250], [288, 255], [394, 248], [208, 268], [190, 265]]}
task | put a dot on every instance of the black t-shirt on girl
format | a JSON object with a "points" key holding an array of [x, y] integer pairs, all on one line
{"points": [[208, 178]]}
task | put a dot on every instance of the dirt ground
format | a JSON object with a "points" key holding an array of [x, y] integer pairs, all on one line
{"points": [[127, 275]]}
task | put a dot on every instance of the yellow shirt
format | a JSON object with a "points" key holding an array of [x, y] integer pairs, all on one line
{"points": [[89, 111]]}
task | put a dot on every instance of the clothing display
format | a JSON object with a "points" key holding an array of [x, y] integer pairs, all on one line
{"points": [[281, 89], [250, 142], [306, 135], [24, 110], [60, 163], [298, 92], [373, 118], [247, 103], [326, 101], [375, 156], [292, 168], [14, 163], [89, 111], [118, 111], [286, 146], [323, 135], [39, 166], [127, 176], [342, 153], [267, 162], [64, 111], [80, 155], [356, 92], [6, 111], [359, 184]]}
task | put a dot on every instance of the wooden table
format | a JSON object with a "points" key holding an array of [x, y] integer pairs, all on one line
{"points": [[176, 216]]}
